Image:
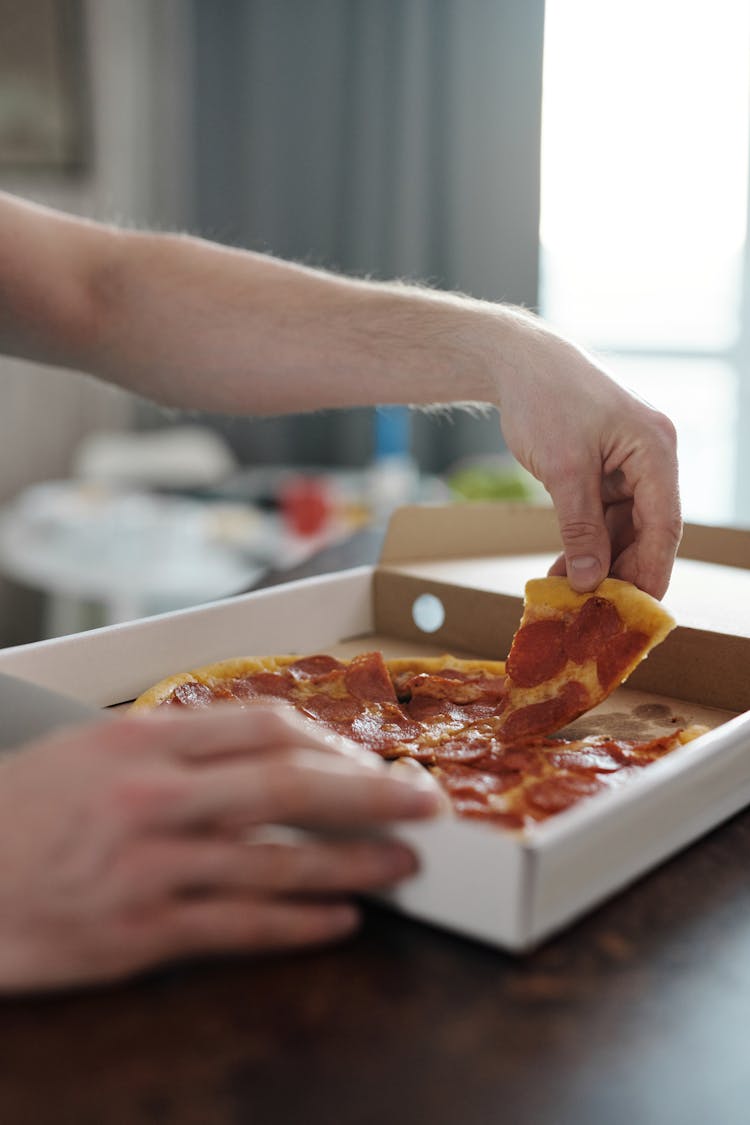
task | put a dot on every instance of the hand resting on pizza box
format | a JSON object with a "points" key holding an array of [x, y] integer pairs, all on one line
{"points": [[133, 844]]}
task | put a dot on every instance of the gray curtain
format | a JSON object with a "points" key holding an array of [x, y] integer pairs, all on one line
{"points": [[379, 137]]}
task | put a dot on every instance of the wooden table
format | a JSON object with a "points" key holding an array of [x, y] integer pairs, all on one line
{"points": [[639, 1014]]}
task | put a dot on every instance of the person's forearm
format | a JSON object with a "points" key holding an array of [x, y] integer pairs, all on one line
{"points": [[191, 323], [194, 324]]}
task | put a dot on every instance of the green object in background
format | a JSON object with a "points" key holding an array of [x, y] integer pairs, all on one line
{"points": [[491, 483]]}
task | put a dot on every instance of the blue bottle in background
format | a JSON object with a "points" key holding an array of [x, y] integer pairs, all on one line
{"points": [[394, 476]]}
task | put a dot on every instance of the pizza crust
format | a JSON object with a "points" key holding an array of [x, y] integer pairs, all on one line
{"points": [[159, 693], [431, 665], [213, 675], [210, 675], [546, 597]]}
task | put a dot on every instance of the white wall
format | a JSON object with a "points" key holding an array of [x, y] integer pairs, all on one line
{"points": [[137, 58]]}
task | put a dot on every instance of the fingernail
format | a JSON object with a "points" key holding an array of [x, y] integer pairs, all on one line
{"points": [[584, 570], [418, 797], [407, 768]]}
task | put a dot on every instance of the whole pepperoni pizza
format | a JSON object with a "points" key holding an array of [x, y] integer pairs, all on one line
{"points": [[487, 730]]}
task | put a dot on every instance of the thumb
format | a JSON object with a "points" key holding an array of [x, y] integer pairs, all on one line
{"points": [[580, 515]]}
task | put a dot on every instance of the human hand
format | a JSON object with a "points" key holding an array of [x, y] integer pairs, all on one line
{"points": [[607, 459], [130, 842]]}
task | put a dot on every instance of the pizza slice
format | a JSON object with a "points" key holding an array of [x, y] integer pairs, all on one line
{"points": [[572, 650]]}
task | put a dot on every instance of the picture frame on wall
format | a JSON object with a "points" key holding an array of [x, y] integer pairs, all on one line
{"points": [[44, 120]]}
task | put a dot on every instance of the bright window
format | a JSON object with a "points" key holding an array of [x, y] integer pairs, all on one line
{"points": [[644, 204]]}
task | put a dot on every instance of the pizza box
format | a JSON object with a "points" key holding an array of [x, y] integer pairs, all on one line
{"points": [[450, 579]]}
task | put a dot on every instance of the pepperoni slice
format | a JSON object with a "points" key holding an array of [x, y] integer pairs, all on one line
{"points": [[470, 747], [481, 710], [464, 689], [314, 667], [648, 752], [190, 694], [589, 631], [425, 709], [384, 726], [444, 716], [331, 709], [557, 793], [537, 653], [548, 714], [367, 678], [597, 759], [458, 778], [610, 746], [525, 758], [616, 658], [408, 683], [278, 684]]}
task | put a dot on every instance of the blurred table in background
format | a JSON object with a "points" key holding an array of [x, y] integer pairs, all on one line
{"points": [[161, 520], [101, 554], [360, 548]]}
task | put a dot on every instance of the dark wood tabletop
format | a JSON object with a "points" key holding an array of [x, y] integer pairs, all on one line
{"points": [[638, 1014]]}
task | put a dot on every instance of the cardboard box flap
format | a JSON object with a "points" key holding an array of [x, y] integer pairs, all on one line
{"points": [[728, 546], [698, 664], [497, 547], [470, 622], [494, 528], [472, 529]]}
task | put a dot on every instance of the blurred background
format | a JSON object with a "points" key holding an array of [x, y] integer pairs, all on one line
{"points": [[585, 158]]}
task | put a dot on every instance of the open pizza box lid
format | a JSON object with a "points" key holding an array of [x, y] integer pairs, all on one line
{"points": [[505, 888], [497, 547]]}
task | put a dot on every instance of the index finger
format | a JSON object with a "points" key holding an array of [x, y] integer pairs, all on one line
{"points": [[304, 789], [225, 730]]}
